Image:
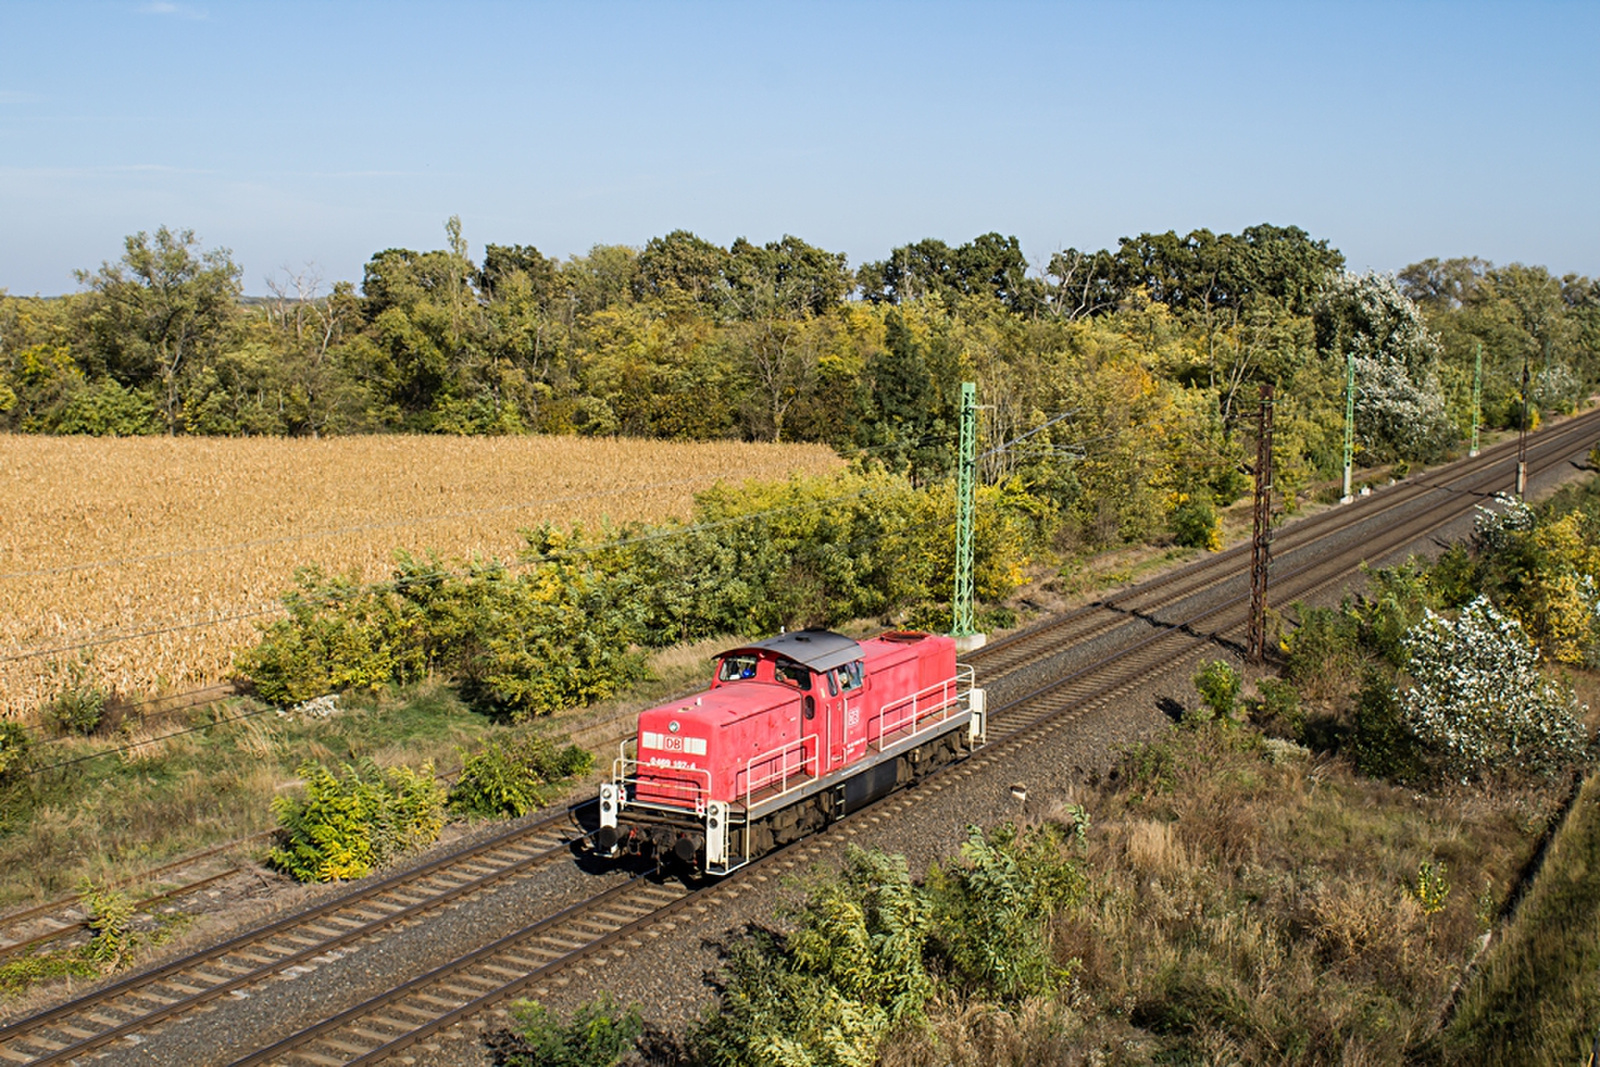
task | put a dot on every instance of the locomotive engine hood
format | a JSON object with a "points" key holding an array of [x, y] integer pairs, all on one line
{"points": [[699, 717]]}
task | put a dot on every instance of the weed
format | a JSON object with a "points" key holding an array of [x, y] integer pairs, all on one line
{"points": [[1218, 684], [600, 1034], [81, 703], [1431, 887], [354, 821], [515, 776], [110, 912]]}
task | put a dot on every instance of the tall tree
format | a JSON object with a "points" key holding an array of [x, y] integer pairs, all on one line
{"points": [[989, 265], [683, 263], [161, 311], [776, 294], [502, 262]]}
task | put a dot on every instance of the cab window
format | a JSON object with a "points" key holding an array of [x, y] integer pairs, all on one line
{"points": [[793, 673], [736, 668], [849, 676]]}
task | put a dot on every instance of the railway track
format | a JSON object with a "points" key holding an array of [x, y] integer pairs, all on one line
{"points": [[1478, 478], [1159, 627], [142, 1002]]}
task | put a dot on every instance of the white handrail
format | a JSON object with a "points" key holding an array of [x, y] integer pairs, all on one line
{"points": [[921, 717], [782, 774], [695, 792]]}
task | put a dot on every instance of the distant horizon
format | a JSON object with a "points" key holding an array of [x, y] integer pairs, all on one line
{"points": [[298, 133]]}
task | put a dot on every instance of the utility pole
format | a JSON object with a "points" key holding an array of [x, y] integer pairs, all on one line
{"points": [[1477, 397], [1522, 436], [963, 628], [1261, 544], [1349, 423]]}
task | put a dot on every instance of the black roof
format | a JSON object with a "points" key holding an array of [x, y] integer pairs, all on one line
{"points": [[821, 650]]}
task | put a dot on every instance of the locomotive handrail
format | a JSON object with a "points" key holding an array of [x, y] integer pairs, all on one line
{"points": [[782, 774], [922, 718], [683, 783]]}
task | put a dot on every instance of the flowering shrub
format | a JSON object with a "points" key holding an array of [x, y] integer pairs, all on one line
{"points": [[1478, 701], [1400, 412], [1399, 417], [1492, 531]]}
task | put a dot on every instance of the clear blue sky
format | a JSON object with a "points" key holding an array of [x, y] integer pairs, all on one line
{"points": [[298, 132]]}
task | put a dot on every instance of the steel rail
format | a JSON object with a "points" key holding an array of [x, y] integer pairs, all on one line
{"points": [[1087, 623], [80, 1010]]}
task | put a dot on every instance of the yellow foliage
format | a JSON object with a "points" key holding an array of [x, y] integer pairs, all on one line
{"points": [[1562, 601]]}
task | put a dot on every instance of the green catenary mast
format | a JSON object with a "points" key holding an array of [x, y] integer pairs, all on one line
{"points": [[1349, 423], [1477, 396], [962, 624]]}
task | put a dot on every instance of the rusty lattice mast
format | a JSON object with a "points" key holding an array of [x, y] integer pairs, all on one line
{"points": [[1261, 545]]}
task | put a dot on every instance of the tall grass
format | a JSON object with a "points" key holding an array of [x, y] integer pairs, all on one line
{"points": [[1536, 1000], [1252, 908], [145, 801]]}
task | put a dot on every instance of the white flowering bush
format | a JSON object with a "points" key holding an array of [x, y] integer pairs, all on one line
{"points": [[1556, 388], [1400, 412], [1398, 417], [1493, 530], [1478, 701]]}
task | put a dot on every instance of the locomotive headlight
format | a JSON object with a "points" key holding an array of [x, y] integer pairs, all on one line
{"points": [[672, 726]]}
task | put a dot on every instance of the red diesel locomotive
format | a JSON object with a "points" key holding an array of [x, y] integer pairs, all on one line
{"points": [[795, 731]]}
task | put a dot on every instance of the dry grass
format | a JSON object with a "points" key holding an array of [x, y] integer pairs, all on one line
{"points": [[1535, 1000], [196, 538], [1248, 911]]}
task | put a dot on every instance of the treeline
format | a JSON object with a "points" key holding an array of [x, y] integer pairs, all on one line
{"points": [[1115, 382]]}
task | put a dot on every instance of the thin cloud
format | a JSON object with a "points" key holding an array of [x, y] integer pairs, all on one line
{"points": [[177, 11], [111, 168], [12, 96]]}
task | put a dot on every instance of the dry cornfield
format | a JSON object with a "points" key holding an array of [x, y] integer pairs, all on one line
{"points": [[157, 558]]}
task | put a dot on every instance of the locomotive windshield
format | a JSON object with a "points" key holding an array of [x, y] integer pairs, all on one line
{"points": [[736, 668]]}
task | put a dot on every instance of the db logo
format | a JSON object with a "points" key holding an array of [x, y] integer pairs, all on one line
{"points": [[672, 744]]}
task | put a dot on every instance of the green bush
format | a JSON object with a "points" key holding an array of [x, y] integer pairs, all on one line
{"points": [[1218, 684], [16, 750], [992, 909], [350, 823], [1380, 743], [1195, 524], [599, 1035], [1397, 600], [830, 992], [561, 626], [514, 776], [1277, 709], [337, 635], [80, 705], [1322, 651]]}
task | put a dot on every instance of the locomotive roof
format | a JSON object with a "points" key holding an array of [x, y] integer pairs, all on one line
{"points": [[821, 650]]}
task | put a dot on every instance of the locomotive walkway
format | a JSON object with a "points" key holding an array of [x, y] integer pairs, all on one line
{"points": [[232, 1002]]}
